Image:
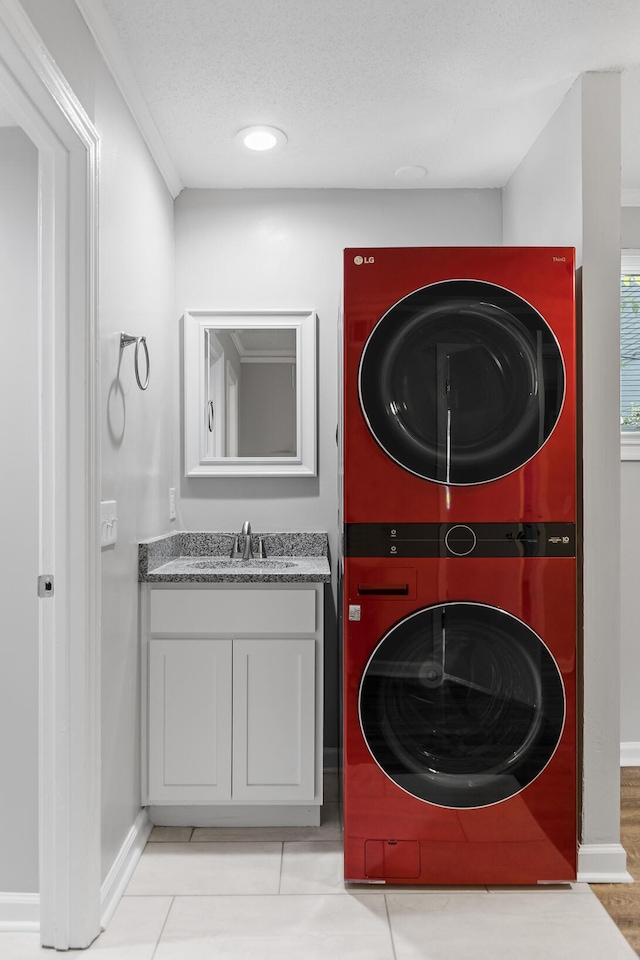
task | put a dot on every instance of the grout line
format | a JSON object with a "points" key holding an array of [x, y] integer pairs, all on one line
{"points": [[136, 896], [173, 843], [281, 865], [393, 945], [155, 949], [219, 896], [230, 840]]}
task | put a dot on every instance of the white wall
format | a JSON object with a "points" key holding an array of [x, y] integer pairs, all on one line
{"points": [[630, 227], [273, 249], [136, 294], [20, 528], [567, 190], [542, 202], [601, 392], [267, 402]]}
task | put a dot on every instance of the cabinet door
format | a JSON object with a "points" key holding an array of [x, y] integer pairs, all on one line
{"points": [[189, 721], [273, 720]]}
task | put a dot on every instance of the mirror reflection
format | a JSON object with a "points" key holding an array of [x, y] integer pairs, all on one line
{"points": [[250, 379]]}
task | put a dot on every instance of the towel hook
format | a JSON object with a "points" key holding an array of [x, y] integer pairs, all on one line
{"points": [[125, 340]]}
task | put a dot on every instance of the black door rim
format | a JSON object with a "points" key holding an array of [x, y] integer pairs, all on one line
{"points": [[400, 456], [486, 784]]}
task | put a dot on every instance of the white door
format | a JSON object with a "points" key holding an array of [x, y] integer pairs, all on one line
{"points": [[20, 497]]}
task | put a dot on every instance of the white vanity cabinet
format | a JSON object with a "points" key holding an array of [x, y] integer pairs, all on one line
{"points": [[233, 703]]}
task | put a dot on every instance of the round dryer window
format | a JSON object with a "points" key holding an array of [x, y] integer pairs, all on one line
{"points": [[462, 705], [461, 382]]}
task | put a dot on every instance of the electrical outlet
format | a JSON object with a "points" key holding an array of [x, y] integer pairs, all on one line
{"points": [[172, 503], [108, 523]]}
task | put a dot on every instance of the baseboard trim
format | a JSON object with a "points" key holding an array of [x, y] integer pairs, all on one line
{"points": [[630, 754], [19, 912], [123, 866], [603, 863]]}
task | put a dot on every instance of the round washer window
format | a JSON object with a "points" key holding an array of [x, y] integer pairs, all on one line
{"points": [[461, 382], [462, 705]]}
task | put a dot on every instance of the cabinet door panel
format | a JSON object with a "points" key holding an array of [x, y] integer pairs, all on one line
{"points": [[189, 721], [273, 720]]}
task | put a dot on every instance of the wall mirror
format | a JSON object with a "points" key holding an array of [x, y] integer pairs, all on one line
{"points": [[250, 393]]}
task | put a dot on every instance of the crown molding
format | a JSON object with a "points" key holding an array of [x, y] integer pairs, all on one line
{"points": [[113, 53]]}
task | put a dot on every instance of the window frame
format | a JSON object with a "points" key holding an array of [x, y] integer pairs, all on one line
{"points": [[629, 440]]}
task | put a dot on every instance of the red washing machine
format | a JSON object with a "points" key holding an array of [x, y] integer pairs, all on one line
{"points": [[460, 703], [459, 385]]}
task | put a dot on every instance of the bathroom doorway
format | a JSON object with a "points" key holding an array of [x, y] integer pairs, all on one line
{"points": [[51, 735]]}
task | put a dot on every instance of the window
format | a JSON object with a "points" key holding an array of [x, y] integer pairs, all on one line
{"points": [[630, 354]]}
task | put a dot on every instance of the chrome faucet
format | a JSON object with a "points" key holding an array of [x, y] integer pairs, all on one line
{"points": [[247, 552], [241, 548]]}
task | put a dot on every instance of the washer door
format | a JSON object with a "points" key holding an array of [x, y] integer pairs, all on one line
{"points": [[461, 382], [462, 705]]}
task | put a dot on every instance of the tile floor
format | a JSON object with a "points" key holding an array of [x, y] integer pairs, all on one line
{"points": [[278, 894]]}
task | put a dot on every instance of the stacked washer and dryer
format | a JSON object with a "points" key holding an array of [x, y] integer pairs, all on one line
{"points": [[459, 565]]}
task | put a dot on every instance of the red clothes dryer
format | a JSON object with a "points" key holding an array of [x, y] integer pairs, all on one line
{"points": [[459, 384], [460, 704]]}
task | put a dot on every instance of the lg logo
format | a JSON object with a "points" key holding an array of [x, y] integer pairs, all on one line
{"points": [[360, 260]]}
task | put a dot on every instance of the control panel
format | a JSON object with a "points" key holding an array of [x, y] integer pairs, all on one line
{"points": [[460, 540]]}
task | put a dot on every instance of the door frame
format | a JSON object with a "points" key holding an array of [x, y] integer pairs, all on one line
{"points": [[69, 645]]}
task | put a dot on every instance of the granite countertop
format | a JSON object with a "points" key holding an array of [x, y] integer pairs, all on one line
{"points": [[204, 558]]}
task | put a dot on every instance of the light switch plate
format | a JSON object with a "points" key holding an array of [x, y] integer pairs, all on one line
{"points": [[172, 503], [108, 523]]}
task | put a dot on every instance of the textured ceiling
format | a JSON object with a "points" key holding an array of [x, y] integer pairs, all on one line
{"points": [[362, 87]]}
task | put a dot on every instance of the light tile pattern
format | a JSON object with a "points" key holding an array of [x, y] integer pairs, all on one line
{"points": [[278, 894], [190, 869], [277, 928], [528, 926]]}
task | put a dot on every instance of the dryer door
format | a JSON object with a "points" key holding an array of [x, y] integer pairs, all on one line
{"points": [[462, 705], [461, 382]]}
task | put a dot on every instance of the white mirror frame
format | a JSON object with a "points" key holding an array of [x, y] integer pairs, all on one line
{"points": [[197, 463]]}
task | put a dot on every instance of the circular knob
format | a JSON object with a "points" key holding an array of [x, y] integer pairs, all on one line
{"points": [[460, 540]]}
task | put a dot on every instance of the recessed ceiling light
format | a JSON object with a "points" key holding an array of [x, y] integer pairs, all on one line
{"points": [[260, 138], [410, 174]]}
